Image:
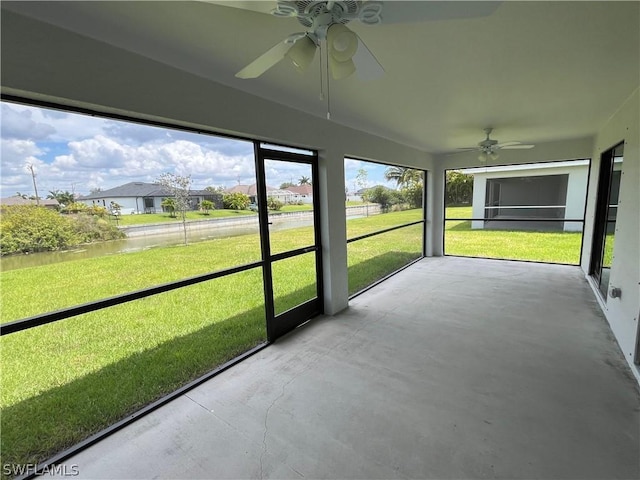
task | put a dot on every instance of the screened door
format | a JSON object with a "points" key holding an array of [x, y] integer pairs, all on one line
{"points": [[291, 241]]}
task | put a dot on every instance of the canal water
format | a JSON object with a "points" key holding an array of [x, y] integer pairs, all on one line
{"points": [[143, 242]]}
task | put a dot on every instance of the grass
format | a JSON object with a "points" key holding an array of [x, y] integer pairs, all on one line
{"points": [[64, 381], [149, 218], [306, 207], [553, 247]]}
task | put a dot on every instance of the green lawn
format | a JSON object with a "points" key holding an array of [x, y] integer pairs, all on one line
{"points": [[148, 218], [64, 381], [296, 208], [552, 247]]}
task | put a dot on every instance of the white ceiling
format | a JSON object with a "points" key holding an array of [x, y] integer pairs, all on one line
{"points": [[535, 71]]}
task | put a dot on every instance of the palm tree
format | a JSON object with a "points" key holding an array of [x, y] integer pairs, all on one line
{"points": [[169, 205], [206, 205], [304, 180], [403, 176], [64, 198]]}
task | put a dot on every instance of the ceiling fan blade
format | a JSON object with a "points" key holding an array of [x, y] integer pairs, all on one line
{"points": [[367, 65], [406, 12], [508, 144], [265, 61], [517, 147]]}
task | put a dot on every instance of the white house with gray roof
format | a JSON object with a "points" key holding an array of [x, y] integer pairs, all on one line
{"points": [[141, 197]]}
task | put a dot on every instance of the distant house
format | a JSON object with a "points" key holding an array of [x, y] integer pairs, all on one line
{"points": [[538, 191], [140, 197], [302, 193], [293, 194], [50, 203]]}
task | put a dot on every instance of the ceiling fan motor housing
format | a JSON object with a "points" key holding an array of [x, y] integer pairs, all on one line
{"points": [[314, 13]]}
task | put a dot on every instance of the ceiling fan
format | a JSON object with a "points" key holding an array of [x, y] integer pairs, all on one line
{"points": [[326, 25], [489, 147]]}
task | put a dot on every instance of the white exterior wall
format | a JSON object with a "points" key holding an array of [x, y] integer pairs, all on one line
{"points": [[576, 187], [479, 197], [576, 197], [128, 204], [622, 313]]}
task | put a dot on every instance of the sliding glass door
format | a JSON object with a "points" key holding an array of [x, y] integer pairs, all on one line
{"points": [[606, 215]]}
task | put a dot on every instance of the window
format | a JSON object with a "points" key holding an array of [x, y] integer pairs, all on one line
{"points": [[531, 212], [385, 220]]}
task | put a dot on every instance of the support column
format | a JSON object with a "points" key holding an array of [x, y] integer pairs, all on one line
{"points": [[333, 222], [437, 198]]}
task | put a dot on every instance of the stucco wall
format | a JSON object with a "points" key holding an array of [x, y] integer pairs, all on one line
{"points": [[622, 313], [576, 190]]}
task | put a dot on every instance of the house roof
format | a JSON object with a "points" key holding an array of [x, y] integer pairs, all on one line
{"points": [[137, 189], [250, 190], [45, 202], [301, 189]]}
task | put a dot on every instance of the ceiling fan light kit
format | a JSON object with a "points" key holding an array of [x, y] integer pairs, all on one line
{"points": [[302, 53], [325, 21], [342, 42], [340, 70]]}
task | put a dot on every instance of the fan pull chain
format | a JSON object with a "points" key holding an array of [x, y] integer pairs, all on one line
{"points": [[328, 85], [321, 79]]}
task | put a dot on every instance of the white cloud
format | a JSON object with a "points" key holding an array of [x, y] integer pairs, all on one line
{"points": [[20, 124], [77, 153]]}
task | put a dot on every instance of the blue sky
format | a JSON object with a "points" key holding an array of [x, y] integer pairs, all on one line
{"points": [[77, 153]]}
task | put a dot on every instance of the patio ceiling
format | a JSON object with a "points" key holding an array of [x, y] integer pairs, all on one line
{"points": [[536, 71]]}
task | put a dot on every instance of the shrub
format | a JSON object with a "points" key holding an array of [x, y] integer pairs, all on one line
{"points": [[75, 207], [30, 228], [236, 201], [94, 228], [274, 204], [380, 195], [206, 205]]}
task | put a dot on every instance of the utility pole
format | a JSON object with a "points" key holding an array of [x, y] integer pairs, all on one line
{"points": [[33, 177]]}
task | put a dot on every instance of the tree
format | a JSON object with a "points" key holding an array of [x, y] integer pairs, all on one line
{"points": [[380, 195], [362, 182], [304, 180], [64, 198], [178, 186], [95, 190], [403, 176], [236, 201], [169, 205], [459, 188], [285, 185], [206, 205], [115, 208]]}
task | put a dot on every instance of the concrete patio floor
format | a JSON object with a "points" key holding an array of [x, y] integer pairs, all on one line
{"points": [[454, 368]]}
